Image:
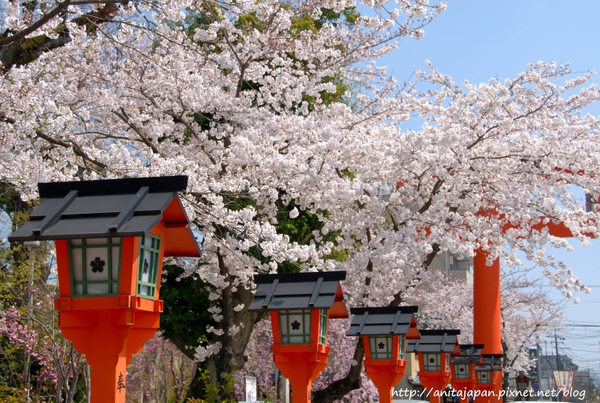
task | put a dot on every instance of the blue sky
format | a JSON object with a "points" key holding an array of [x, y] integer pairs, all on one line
{"points": [[476, 40]]}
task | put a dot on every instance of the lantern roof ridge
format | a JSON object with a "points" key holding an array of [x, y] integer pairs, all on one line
{"points": [[385, 309], [473, 346], [112, 208], [113, 186], [307, 290], [439, 332]]}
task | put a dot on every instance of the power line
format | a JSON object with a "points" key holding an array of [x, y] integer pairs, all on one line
{"points": [[582, 324]]}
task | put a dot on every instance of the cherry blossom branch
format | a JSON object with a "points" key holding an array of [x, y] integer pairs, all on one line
{"points": [[8, 39]]}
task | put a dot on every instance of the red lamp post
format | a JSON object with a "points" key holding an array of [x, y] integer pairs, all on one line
{"points": [[433, 350], [462, 366], [384, 331], [111, 237], [300, 306]]}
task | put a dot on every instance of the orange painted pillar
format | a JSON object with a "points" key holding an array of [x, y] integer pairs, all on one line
{"points": [[486, 314], [301, 368], [434, 384], [108, 339], [463, 389], [108, 361], [385, 376]]}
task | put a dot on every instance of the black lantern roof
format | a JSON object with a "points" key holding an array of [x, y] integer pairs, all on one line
{"points": [[468, 353], [381, 321], [111, 208], [314, 290], [491, 362], [434, 341]]}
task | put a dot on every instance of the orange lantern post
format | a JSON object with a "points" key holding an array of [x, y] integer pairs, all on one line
{"points": [[433, 350], [111, 237], [462, 367], [384, 331], [300, 306]]}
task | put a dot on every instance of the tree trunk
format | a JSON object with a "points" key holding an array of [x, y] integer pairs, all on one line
{"points": [[338, 389], [214, 371]]}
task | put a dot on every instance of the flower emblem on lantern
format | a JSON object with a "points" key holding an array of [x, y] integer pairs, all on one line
{"points": [[145, 266], [295, 325], [97, 265], [381, 345]]}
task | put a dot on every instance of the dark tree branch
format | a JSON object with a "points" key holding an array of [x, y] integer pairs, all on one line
{"points": [[18, 48], [338, 389], [7, 40], [97, 165]]}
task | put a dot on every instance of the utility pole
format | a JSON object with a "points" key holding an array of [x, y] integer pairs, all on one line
{"points": [[556, 346], [548, 367], [539, 366], [558, 366]]}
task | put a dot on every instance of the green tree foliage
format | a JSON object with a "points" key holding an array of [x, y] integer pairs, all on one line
{"points": [[9, 394], [186, 314]]}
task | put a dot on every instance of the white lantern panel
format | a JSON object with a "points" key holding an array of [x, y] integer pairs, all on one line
{"points": [[323, 327], [148, 266], [97, 271], [77, 265], [381, 347], [94, 265], [402, 346], [483, 377], [295, 326], [432, 361], [461, 371]]}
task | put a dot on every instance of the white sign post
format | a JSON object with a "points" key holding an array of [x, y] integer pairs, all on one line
{"points": [[250, 389]]}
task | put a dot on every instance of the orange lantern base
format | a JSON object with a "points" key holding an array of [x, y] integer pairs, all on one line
{"points": [[385, 374], [433, 383], [301, 364], [490, 393], [464, 388], [108, 338]]}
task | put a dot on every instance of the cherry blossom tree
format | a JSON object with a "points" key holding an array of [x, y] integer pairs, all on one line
{"points": [[277, 112], [31, 28], [35, 358], [528, 313], [160, 372]]}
